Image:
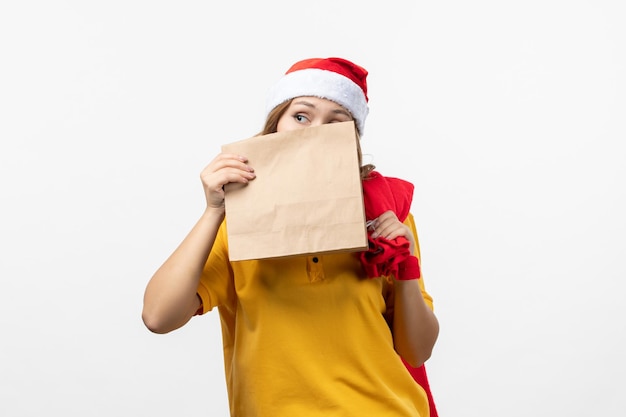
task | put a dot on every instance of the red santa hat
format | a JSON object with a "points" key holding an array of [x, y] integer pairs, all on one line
{"points": [[334, 79]]}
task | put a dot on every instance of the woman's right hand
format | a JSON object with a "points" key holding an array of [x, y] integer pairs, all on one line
{"points": [[224, 168]]}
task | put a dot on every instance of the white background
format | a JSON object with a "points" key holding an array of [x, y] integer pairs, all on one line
{"points": [[507, 116]]}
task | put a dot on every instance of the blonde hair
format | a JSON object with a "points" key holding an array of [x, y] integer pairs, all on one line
{"points": [[271, 126]]}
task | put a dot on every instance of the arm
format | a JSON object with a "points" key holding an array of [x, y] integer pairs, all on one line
{"points": [[415, 327], [170, 298]]}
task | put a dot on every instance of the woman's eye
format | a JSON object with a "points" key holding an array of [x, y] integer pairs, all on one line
{"points": [[300, 118]]}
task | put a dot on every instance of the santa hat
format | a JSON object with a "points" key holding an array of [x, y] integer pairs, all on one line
{"points": [[334, 79]]}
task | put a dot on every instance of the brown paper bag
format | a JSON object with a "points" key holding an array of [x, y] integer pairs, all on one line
{"points": [[306, 197]]}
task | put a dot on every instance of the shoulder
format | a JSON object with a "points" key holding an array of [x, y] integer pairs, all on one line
{"points": [[395, 184], [398, 190]]}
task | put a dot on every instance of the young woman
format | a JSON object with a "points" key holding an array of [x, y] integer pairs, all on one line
{"points": [[329, 334]]}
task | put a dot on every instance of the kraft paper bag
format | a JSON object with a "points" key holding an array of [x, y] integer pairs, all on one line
{"points": [[306, 197]]}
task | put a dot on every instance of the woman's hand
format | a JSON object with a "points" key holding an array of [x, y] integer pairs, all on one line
{"points": [[388, 225], [223, 169]]}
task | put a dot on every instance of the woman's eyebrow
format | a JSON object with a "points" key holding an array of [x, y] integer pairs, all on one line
{"points": [[311, 105], [305, 103], [342, 111]]}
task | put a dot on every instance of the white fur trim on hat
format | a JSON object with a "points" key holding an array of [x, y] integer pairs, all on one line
{"points": [[324, 84]]}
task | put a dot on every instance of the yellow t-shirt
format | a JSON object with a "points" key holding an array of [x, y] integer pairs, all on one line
{"points": [[307, 336]]}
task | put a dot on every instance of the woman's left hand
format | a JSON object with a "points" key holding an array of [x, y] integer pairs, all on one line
{"points": [[388, 225]]}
